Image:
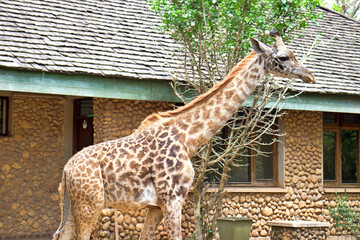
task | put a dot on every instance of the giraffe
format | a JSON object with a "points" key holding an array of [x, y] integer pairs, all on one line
{"points": [[151, 168]]}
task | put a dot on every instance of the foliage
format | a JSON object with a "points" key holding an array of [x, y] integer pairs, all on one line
{"points": [[213, 36], [344, 216], [350, 8], [218, 31]]}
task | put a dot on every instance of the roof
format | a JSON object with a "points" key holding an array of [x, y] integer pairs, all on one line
{"points": [[110, 38], [334, 56], [120, 39]]}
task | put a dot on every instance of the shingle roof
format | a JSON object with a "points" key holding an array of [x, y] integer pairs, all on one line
{"points": [[120, 38], [112, 38], [335, 58]]}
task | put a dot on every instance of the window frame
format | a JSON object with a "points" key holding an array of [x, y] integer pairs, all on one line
{"points": [[336, 128], [277, 184], [6, 133], [274, 182], [252, 172]]}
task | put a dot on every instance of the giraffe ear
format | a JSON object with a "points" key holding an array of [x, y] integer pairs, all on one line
{"points": [[260, 47]]}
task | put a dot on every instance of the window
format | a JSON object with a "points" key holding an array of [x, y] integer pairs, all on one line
{"points": [[252, 169], [341, 150], [4, 116], [255, 169]]}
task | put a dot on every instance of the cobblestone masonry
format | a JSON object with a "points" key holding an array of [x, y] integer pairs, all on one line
{"points": [[304, 197], [31, 161], [281, 233], [303, 167], [115, 118]]}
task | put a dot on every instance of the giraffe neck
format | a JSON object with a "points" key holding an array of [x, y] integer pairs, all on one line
{"points": [[207, 116]]}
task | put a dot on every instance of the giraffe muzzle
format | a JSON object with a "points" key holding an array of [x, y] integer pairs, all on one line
{"points": [[309, 78]]}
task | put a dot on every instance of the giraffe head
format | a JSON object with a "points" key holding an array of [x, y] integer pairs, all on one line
{"points": [[281, 61]]}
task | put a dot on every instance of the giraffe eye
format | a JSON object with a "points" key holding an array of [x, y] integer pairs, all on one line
{"points": [[283, 59]]}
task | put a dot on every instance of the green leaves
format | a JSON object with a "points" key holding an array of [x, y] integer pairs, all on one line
{"points": [[224, 26], [344, 216]]}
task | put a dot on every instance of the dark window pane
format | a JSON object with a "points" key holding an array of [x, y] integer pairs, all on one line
{"points": [[264, 167], [348, 156], [3, 114], [329, 118], [86, 107], [240, 173], [264, 162], [349, 119], [329, 154]]}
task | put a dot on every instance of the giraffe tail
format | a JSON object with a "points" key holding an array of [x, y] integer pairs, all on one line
{"points": [[62, 190]]}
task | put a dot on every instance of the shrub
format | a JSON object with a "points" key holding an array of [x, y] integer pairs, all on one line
{"points": [[345, 217]]}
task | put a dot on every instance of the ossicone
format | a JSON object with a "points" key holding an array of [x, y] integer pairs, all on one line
{"points": [[274, 34], [278, 40]]}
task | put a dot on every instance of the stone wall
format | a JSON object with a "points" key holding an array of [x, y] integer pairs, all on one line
{"points": [[281, 233], [303, 196], [115, 118], [31, 161]]}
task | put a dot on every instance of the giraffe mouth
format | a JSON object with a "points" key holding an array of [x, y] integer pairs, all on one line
{"points": [[309, 78]]}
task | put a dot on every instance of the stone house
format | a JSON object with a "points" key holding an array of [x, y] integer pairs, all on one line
{"points": [[76, 73]]}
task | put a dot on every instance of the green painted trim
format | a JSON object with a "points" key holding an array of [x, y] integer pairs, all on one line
{"points": [[136, 89], [321, 103], [325, 103], [85, 86]]}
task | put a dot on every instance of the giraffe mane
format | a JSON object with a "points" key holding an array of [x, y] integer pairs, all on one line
{"points": [[149, 120], [155, 117]]}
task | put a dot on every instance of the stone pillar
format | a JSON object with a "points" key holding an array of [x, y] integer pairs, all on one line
{"points": [[303, 166]]}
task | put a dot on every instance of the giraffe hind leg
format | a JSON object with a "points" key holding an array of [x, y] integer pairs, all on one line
{"points": [[87, 201], [68, 231], [152, 220]]}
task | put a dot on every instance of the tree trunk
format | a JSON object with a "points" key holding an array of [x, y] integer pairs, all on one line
{"points": [[197, 214]]}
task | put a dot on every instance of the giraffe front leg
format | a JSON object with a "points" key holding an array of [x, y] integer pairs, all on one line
{"points": [[86, 220], [172, 219], [152, 220]]}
